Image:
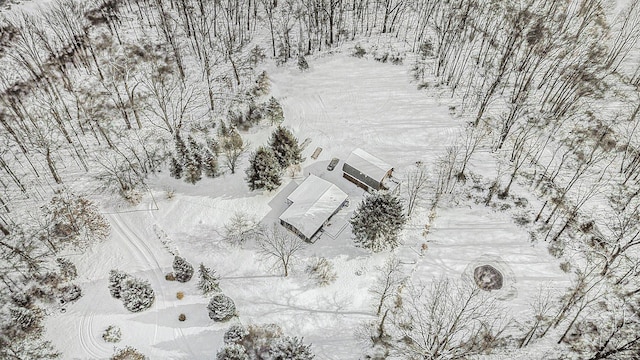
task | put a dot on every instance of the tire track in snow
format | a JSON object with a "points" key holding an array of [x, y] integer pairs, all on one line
{"points": [[175, 330], [88, 341], [145, 255]]}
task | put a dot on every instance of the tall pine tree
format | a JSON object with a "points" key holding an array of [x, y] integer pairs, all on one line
{"points": [[209, 281], [264, 170], [285, 147], [377, 221]]}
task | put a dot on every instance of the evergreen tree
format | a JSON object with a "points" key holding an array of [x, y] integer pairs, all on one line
{"points": [[209, 281], [264, 170], [262, 85], [116, 281], [210, 164], [377, 221], [195, 149], [232, 352], [181, 149], [285, 147], [182, 270], [137, 294], [290, 348], [235, 334], [274, 111], [175, 168], [193, 170], [221, 308]]}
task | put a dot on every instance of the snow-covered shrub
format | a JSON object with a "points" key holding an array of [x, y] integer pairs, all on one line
{"points": [[133, 196], [182, 269], [377, 221], [209, 281], [24, 322], [321, 271], [69, 293], [112, 334], [221, 308], [116, 280], [21, 299], [359, 51], [75, 221], [240, 228], [170, 277], [268, 342], [302, 63], [234, 334], [182, 317], [232, 352], [137, 294], [128, 353], [179, 295], [259, 339], [290, 348], [68, 270]]}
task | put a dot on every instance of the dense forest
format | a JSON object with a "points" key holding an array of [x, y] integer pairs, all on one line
{"points": [[97, 96]]}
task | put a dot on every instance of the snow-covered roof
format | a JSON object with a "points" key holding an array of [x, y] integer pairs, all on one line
{"points": [[368, 164], [314, 201]]}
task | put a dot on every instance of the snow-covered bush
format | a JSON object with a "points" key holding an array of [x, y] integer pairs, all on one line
{"points": [[264, 342], [209, 281], [182, 317], [302, 63], [359, 51], [290, 348], [221, 308], [75, 221], [128, 353], [321, 271], [232, 352], [68, 270], [112, 334], [234, 334], [377, 221], [182, 270], [240, 228], [137, 294], [116, 280], [69, 293]]}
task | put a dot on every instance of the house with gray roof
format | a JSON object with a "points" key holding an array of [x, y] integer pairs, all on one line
{"points": [[311, 205], [366, 171]]}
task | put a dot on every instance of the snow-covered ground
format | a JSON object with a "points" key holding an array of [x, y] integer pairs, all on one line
{"points": [[340, 103]]}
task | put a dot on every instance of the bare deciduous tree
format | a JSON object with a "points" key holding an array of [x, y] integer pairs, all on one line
{"points": [[447, 320], [416, 182], [280, 245]]}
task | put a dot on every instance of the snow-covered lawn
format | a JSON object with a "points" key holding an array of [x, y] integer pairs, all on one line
{"points": [[341, 103]]}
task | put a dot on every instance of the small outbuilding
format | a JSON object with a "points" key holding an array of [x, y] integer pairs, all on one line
{"points": [[366, 170], [311, 205]]}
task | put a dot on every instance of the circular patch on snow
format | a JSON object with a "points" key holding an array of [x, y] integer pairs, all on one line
{"points": [[488, 278]]}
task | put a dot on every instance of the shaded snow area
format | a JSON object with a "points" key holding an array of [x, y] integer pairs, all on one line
{"points": [[341, 103]]}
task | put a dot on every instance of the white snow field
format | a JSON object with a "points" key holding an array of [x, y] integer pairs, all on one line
{"points": [[340, 103]]}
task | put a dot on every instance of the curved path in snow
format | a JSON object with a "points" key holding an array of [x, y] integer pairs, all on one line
{"points": [[143, 255]]}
